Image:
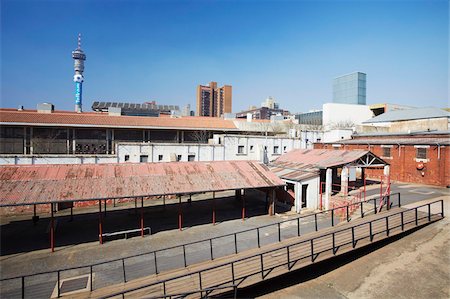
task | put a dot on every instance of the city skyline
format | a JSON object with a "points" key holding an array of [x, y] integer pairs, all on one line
{"points": [[289, 50]]}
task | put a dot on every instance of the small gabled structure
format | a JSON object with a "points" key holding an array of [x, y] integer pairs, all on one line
{"points": [[309, 173]]}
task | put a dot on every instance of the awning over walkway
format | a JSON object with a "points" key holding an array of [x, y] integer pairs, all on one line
{"points": [[322, 158], [35, 184]]}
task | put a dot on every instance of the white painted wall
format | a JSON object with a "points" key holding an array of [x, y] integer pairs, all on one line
{"points": [[336, 135], [56, 159], [334, 114], [312, 193]]}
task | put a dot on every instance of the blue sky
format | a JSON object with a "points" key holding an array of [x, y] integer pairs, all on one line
{"points": [[161, 50]]}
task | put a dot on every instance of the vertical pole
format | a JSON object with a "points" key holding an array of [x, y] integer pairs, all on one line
{"points": [[315, 221], [58, 293], [211, 248], [348, 218], [184, 256], [403, 226], [52, 230], [142, 216], [279, 232], [259, 242], [123, 270], [374, 206], [156, 263], [23, 287], [429, 212], [100, 229], [364, 178], [417, 219], [442, 206], [91, 278], [243, 207], [370, 231], [312, 250], [362, 210], [387, 226], [214, 209], [320, 192], [105, 208], [298, 227], [274, 197], [332, 217], [334, 243], [235, 244], [180, 215], [381, 188]]}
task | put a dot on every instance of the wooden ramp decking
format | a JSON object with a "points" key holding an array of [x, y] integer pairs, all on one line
{"points": [[255, 265]]}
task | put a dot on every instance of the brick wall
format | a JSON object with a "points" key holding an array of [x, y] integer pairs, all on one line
{"points": [[404, 165]]}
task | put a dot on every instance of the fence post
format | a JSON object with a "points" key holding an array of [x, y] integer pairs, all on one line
{"points": [[257, 231], [210, 246], [362, 210], [353, 237], [262, 266], [23, 287], [442, 208], [370, 231], [123, 268], [91, 280], [334, 244], [374, 206], [184, 255], [348, 220], [298, 226], [401, 217], [156, 264], [235, 244], [417, 220], [387, 226], [279, 232], [399, 200], [288, 258], [429, 212], [232, 271], [200, 283], [312, 250], [58, 294], [315, 220], [332, 217]]}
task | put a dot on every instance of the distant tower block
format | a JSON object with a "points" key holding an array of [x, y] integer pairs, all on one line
{"points": [[79, 57]]}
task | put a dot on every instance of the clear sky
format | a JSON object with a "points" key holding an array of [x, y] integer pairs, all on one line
{"points": [[161, 50]]}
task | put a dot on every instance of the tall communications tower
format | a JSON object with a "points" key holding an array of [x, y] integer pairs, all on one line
{"points": [[79, 57]]}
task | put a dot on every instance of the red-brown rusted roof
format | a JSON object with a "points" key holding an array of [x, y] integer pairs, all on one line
{"points": [[322, 158], [93, 119], [294, 171], [22, 185]]}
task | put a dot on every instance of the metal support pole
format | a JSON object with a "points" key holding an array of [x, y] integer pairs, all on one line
{"points": [[23, 287], [211, 249], [387, 226], [401, 217], [298, 227], [334, 243], [58, 293], [180, 215], [279, 232], [235, 244], [214, 209], [315, 221], [417, 219], [243, 207], [262, 266], [374, 206], [442, 208], [156, 263], [184, 255], [142, 217], [52, 230], [257, 232], [100, 228], [348, 220], [312, 250], [362, 210], [364, 178], [353, 237], [123, 270], [332, 217], [429, 212], [370, 231], [91, 279]]}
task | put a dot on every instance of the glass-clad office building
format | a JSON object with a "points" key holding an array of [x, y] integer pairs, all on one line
{"points": [[350, 89]]}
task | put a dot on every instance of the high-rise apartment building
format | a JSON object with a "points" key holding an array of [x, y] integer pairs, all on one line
{"points": [[350, 89], [212, 100]]}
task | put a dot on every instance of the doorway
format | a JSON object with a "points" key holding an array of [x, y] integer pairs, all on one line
{"points": [[304, 195]]}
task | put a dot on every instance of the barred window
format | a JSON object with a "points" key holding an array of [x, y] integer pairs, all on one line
{"points": [[421, 153], [386, 151]]}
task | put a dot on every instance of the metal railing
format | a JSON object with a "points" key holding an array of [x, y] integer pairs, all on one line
{"points": [[182, 249], [263, 270]]}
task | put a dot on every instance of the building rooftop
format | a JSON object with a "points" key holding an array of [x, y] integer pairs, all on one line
{"points": [[320, 158], [396, 141], [33, 184], [95, 119], [408, 114]]}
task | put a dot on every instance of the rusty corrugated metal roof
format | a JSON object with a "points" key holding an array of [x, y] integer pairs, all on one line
{"points": [[321, 158], [22, 185], [294, 171], [91, 119]]}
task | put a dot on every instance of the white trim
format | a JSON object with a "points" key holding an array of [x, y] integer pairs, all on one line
{"points": [[421, 146]]}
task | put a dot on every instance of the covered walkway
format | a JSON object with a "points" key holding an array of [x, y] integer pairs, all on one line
{"points": [[60, 186]]}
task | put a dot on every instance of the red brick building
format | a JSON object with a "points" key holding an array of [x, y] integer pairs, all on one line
{"points": [[416, 157]]}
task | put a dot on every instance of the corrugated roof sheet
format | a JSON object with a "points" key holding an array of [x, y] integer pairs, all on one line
{"points": [[66, 118], [321, 158], [21, 185], [408, 114], [294, 171]]}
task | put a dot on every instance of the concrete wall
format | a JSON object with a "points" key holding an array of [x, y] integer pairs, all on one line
{"points": [[335, 114], [438, 124], [336, 135], [56, 159]]}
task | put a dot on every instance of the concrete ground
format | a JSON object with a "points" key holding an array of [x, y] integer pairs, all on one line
{"points": [[414, 266]]}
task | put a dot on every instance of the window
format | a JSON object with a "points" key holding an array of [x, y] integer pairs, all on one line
{"points": [[191, 158], [127, 158], [276, 149], [160, 157], [143, 159], [421, 153], [386, 152], [240, 149], [178, 158]]}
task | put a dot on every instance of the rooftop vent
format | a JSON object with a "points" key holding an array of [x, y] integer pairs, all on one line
{"points": [[45, 108]]}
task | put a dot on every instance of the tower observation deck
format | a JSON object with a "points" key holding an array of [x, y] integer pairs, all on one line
{"points": [[79, 57]]}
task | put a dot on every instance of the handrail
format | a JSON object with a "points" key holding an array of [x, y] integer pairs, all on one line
{"points": [[213, 238], [290, 245]]}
